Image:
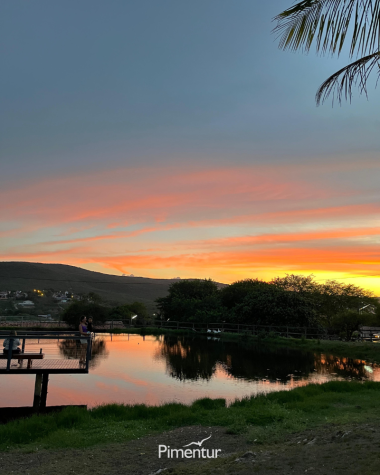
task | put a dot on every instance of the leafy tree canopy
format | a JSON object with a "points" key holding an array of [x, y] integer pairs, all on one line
{"points": [[76, 309], [128, 310], [191, 300]]}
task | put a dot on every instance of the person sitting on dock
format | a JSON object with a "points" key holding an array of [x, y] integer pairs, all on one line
{"points": [[15, 345]]}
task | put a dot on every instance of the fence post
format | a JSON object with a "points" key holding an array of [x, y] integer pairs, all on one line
{"points": [[10, 349], [305, 332], [238, 328], [287, 332]]}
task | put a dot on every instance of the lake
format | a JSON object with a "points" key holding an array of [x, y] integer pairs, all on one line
{"points": [[153, 370]]}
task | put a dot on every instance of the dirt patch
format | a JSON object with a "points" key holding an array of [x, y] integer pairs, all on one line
{"points": [[352, 449]]}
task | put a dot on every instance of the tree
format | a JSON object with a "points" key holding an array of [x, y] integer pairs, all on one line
{"points": [[336, 297], [75, 310], [297, 283], [272, 305], [128, 310], [347, 322], [328, 24], [191, 300], [94, 297], [235, 293]]}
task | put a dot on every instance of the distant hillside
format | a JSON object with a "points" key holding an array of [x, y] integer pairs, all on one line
{"points": [[113, 289]]}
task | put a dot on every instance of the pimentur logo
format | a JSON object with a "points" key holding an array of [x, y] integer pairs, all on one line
{"points": [[189, 453]]}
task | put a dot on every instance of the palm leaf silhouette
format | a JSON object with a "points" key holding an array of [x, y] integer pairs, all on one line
{"points": [[328, 24]]}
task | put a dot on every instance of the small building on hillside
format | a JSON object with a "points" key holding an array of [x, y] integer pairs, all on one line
{"points": [[20, 295], [26, 304]]}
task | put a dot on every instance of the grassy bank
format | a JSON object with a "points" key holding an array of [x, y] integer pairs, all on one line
{"points": [[263, 419]]}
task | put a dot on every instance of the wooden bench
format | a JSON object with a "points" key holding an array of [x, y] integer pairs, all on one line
{"points": [[24, 356]]}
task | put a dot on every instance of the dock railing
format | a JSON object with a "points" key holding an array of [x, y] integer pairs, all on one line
{"points": [[39, 335]]}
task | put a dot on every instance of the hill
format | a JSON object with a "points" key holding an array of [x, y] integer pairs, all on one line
{"points": [[113, 289]]}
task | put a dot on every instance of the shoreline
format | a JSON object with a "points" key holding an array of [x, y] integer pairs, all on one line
{"points": [[368, 351]]}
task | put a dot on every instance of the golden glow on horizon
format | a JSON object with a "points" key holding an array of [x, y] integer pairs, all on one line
{"points": [[227, 223]]}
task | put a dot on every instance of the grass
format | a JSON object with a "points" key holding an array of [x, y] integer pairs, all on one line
{"points": [[264, 418]]}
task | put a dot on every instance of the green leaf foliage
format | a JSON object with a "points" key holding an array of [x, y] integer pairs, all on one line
{"points": [[293, 300]]}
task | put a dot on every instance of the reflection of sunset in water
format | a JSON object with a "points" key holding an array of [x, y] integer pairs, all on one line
{"points": [[151, 370]]}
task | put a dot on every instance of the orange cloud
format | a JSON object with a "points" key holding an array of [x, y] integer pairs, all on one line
{"points": [[190, 220]]}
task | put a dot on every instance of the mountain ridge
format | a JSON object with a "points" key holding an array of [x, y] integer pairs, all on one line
{"points": [[27, 276]]}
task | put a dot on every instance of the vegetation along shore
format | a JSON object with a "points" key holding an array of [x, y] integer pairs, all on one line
{"points": [[251, 425]]}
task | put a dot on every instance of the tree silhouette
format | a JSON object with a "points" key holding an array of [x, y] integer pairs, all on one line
{"points": [[328, 24]]}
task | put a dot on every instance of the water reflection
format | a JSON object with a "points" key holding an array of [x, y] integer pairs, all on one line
{"points": [[192, 359], [344, 367], [73, 349]]}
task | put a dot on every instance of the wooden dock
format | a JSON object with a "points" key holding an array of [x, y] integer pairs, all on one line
{"points": [[42, 366]]}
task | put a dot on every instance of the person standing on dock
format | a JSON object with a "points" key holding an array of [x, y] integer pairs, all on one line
{"points": [[90, 328], [15, 345], [83, 328]]}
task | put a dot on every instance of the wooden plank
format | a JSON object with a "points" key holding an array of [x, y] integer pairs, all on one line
{"points": [[24, 356]]}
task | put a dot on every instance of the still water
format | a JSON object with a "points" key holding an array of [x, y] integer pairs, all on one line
{"points": [[152, 370]]}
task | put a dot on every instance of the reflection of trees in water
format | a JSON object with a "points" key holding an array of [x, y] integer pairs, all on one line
{"points": [[197, 358], [74, 349], [186, 358], [192, 358], [344, 367]]}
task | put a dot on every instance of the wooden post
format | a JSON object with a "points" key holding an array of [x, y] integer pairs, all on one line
{"points": [[44, 390], [287, 332], [37, 391], [305, 332], [88, 353], [10, 350], [23, 346], [177, 325]]}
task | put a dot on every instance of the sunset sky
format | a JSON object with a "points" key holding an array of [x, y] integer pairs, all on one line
{"points": [[170, 138]]}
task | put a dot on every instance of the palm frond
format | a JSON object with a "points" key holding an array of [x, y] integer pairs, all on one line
{"points": [[342, 81], [328, 22]]}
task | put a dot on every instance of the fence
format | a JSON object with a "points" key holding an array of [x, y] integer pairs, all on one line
{"points": [[30, 321], [196, 327], [370, 333]]}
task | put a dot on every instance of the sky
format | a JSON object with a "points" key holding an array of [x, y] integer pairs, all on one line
{"points": [[174, 139]]}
